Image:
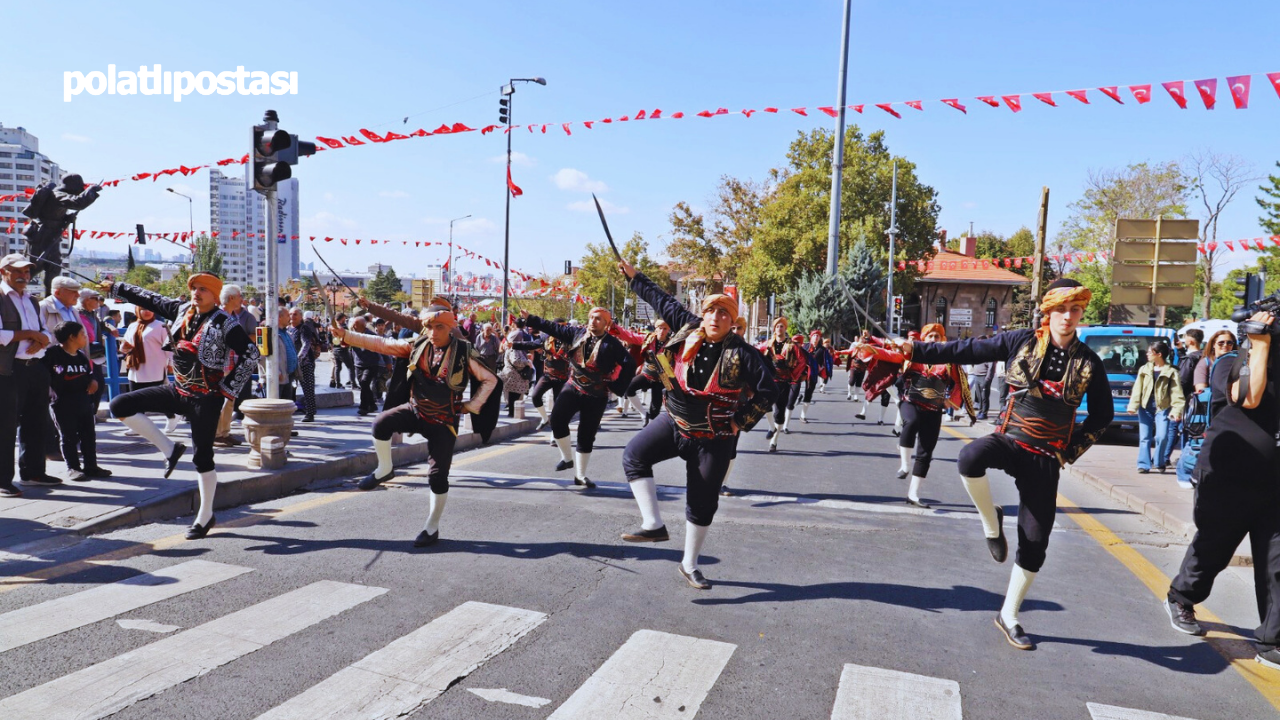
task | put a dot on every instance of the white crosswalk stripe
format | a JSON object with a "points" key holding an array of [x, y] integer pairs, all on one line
{"points": [[654, 675], [416, 669], [46, 619], [1111, 712], [869, 693], [112, 685]]}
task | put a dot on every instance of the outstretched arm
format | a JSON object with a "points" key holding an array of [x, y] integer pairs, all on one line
{"points": [[668, 307], [386, 313], [376, 343], [165, 307], [561, 332], [969, 351]]}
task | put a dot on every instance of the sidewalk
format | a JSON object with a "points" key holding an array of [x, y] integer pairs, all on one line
{"points": [[338, 445]]}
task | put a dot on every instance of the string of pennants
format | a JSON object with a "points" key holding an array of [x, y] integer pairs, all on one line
{"points": [[925, 265], [1239, 87]]}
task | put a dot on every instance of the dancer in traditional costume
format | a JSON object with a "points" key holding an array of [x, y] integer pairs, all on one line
{"points": [[789, 365]]}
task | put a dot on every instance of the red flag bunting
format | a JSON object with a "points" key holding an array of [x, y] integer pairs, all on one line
{"points": [[917, 104], [888, 107], [1208, 92], [1177, 90], [858, 108], [1141, 93], [1013, 101], [829, 111], [515, 189], [1240, 90], [955, 103], [800, 111], [988, 99], [1080, 95], [1046, 98], [1230, 246], [1274, 78]]}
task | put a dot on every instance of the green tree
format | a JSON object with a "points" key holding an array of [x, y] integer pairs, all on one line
{"points": [[598, 272], [383, 287], [792, 236], [814, 302], [863, 270], [207, 258], [143, 276], [1020, 244], [718, 244], [1269, 201]]}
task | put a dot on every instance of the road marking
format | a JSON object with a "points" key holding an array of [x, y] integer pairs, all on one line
{"points": [[504, 695], [868, 693], [46, 619], [144, 548], [654, 675], [1111, 712], [415, 669], [148, 625], [112, 685], [1239, 652]]}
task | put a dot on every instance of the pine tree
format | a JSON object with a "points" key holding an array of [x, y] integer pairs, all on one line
{"points": [[129, 262], [1271, 208]]}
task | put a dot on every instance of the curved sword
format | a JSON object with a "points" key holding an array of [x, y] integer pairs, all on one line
{"points": [[607, 234], [334, 272]]}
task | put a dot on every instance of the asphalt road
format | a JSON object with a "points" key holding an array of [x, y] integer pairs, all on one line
{"points": [[817, 565]]}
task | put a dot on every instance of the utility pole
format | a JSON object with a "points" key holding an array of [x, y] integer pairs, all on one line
{"points": [[837, 162], [1041, 227], [893, 235], [273, 297], [504, 117]]}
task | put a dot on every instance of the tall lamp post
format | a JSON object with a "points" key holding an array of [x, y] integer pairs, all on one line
{"points": [[449, 292], [191, 223], [504, 116]]}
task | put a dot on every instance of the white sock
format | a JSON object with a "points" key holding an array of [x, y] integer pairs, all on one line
{"points": [[863, 411], [773, 441], [147, 430], [208, 486], [171, 424], [1019, 583], [884, 408], [542, 410], [913, 492], [385, 465], [905, 454], [694, 537], [635, 404], [566, 451], [437, 502], [804, 411], [897, 418], [786, 419], [980, 492], [646, 492], [580, 465], [773, 425]]}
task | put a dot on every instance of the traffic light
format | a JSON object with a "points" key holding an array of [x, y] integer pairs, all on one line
{"points": [[1251, 290], [568, 267], [504, 111], [142, 235], [897, 304], [274, 150]]}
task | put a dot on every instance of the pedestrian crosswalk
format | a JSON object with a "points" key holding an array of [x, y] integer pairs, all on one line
{"points": [[652, 675]]}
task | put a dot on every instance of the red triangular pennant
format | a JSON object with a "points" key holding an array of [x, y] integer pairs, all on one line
{"points": [[1013, 101], [1177, 90], [1240, 90], [1141, 93], [955, 103], [1046, 98], [1080, 95], [1208, 92]]}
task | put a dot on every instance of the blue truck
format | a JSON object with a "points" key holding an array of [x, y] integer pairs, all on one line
{"points": [[1123, 349]]}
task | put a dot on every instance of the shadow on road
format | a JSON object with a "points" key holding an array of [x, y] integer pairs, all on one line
{"points": [[957, 597]]}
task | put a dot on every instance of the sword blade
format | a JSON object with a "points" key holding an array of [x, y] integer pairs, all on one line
{"points": [[608, 236], [334, 272]]}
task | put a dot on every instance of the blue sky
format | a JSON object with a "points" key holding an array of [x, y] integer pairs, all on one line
{"points": [[369, 65]]}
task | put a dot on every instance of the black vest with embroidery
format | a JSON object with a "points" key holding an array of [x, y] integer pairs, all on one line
{"points": [[706, 412], [436, 393], [1036, 415]]}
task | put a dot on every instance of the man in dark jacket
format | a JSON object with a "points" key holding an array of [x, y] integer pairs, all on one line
{"points": [[306, 338], [50, 216], [368, 367]]}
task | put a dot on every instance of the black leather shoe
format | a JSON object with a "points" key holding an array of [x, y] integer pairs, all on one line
{"points": [[425, 538], [902, 474], [695, 578], [369, 482], [769, 435], [564, 465], [655, 535], [1015, 635], [195, 532], [308, 418], [999, 546], [725, 491], [584, 483], [41, 480], [97, 472], [920, 504], [174, 457], [860, 416], [897, 432]]}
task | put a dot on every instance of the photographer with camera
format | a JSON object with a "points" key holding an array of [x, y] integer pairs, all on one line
{"points": [[51, 211], [1238, 488]]}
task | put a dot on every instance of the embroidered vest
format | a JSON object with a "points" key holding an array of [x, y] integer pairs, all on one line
{"points": [[1041, 415], [706, 413], [437, 394], [586, 374], [927, 390], [555, 364], [784, 362]]}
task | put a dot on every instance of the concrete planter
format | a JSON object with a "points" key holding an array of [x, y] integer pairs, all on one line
{"points": [[267, 418]]}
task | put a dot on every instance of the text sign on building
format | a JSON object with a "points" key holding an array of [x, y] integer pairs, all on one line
{"points": [[960, 317]]}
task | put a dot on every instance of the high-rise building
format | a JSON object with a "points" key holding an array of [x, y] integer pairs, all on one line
{"points": [[22, 167], [239, 218]]}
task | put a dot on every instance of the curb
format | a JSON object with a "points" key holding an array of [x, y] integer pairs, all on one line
{"points": [[270, 486]]}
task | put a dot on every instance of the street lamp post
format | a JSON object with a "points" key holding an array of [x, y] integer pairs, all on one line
{"points": [[191, 223], [449, 292], [508, 92]]}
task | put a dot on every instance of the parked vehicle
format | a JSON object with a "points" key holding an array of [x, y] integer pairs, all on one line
{"points": [[1123, 349]]}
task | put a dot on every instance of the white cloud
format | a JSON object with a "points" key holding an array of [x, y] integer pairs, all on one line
{"points": [[395, 194], [517, 158], [75, 138], [326, 223], [473, 226], [576, 180], [588, 206]]}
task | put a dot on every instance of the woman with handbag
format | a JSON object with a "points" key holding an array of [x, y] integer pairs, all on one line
{"points": [[517, 372]]}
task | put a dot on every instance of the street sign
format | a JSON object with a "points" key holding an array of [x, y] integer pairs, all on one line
{"points": [[1165, 229], [962, 313], [1154, 263]]}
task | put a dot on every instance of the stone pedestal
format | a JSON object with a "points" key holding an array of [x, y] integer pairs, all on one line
{"points": [[267, 418]]}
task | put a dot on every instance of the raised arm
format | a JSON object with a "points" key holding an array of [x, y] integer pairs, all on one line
{"points": [[969, 351], [561, 332], [165, 307], [668, 307], [382, 311]]}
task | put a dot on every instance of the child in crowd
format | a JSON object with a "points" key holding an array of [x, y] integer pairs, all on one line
{"points": [[72, 380]]}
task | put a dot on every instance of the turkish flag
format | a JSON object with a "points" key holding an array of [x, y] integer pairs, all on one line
{"points": [[1213, 246], [829, 111], [1112, 92], [1230, 247], [1013, 101], [771, 109], [917, 104], [640, 115], [704, 113], [353, 140], [1275, 239], [1142, 93], [1275, 81], [1017, 263], [1260, 243], [1200, 247], [331, 142], [395, 136], [1240, 90], [800, 111], [747, 112], [567, 131], [1177, 90], [587, 124], [858, 108], [515, 189], [888, 107], [1046, 98], [1080, 95], [902, 266], [677, 115], [1208, 92], [989, 99], [955, 103], [371, 135]]}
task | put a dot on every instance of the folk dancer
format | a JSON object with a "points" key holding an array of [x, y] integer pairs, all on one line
{"points": [[1052, 372], [717, 387], [213, 358], [789, 365]]}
